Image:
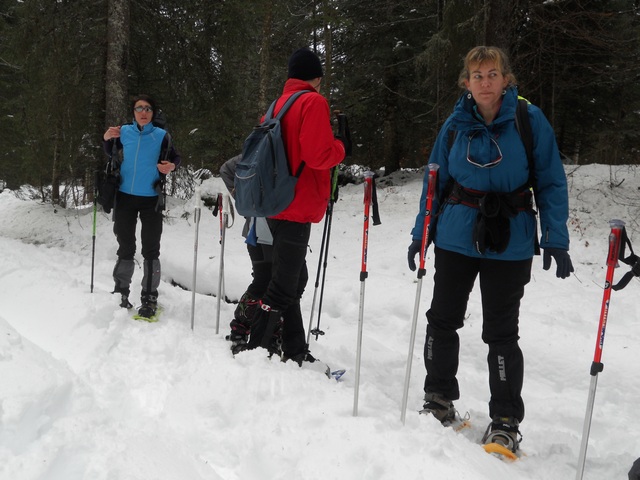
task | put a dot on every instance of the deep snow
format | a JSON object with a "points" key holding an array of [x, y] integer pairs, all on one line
{"points": [[88, 393]]}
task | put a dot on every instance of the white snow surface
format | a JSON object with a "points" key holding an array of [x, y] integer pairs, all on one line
{"points": [[86, 392]]}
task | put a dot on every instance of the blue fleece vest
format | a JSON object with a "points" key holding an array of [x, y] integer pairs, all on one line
{"points": [[139, 169]]}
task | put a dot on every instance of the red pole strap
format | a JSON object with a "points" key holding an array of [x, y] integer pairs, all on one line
{"points": [[368, 176], [431, 189], [612, 262]]}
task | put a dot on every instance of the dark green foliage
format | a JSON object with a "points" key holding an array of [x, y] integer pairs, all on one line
{"points": [[214, 66]]}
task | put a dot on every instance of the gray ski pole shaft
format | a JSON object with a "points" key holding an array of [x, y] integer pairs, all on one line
{"points": [[615, 238], [431, 188], [363, 276], [196, 216], [223, 221]]}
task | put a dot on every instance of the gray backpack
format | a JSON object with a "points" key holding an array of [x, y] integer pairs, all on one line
{"points": [[264, 185]]}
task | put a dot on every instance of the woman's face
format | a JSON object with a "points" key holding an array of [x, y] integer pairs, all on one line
{"points": [[145, 115], [486, 83]]}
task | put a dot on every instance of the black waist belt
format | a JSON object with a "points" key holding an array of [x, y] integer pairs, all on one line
{"points": [[489, 203]]}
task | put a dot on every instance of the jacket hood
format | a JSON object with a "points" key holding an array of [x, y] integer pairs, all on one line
{"points": [[465, 116]]}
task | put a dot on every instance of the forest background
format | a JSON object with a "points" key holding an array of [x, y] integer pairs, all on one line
{"points": [[68, 70]]}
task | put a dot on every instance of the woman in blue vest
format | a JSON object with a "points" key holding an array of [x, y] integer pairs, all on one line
{"points": [[486, 228], [148, 156]]}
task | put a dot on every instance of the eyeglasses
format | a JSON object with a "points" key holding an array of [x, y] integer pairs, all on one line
{"points": [[140, 109], [491, 164]]}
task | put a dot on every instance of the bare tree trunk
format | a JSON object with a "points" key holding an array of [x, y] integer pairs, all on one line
{"points": [[265, 62], [55, 172], [118, 24], [439, 70], [498, 16], [328, 48], [391, 147]]}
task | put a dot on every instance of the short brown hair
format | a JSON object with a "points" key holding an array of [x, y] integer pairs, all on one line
{"points": [[145, 98], [480, 54]]}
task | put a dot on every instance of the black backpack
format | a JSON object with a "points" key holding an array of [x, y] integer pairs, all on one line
{"points": [[264, 184], [108, 181]]}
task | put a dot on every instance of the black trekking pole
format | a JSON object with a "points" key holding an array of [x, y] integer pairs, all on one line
{"points": [[369, 198], [93, 237], [617, 228], [343, 133], [196, 216], [431, 188], [322, 260]]}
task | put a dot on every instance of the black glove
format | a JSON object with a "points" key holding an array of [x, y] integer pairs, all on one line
{"points": [[563, 261], [414, 249]]}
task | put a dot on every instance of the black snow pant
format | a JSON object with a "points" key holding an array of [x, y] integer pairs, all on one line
{"points": [[289, 276], [502, 287], [260, 256], [127, 210]]}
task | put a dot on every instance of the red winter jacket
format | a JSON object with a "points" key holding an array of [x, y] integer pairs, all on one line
{"points": [[308, 137]]}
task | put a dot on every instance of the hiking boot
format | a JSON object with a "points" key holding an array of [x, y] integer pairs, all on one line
{"points": [[503, 431], [246, 308], [275, 345], [441, 408], [149, 305], [124, 301], [239, 336]]}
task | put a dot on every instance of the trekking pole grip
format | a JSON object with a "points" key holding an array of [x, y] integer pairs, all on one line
{"points": [[431, 189], [368, 179], [615, 237]]}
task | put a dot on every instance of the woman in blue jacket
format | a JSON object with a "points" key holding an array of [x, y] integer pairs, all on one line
{"points": [[148, 156], [486, 228]]}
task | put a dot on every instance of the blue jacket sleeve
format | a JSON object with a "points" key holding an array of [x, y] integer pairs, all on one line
{"points": [[551, 183]]}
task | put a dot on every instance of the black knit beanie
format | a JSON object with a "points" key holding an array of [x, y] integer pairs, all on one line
{"points": [[304, 65]]}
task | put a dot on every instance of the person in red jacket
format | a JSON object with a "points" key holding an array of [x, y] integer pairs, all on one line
{"points": [[308, 137]]}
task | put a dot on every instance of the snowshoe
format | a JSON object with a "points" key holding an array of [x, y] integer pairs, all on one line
{"points": [[239, 336], [502, 438], [155, 317], [444, 411], [306, 360]]}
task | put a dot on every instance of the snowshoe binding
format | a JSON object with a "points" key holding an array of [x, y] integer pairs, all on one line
{"points": [[124, 301], [502, 438], [444, 411], [306, 360], [239, 336], [148, 311]]}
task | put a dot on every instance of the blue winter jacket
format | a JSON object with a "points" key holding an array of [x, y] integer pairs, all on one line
{"points": [[139, 169], [455, 223]]}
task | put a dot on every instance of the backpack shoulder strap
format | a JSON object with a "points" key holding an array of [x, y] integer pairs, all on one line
{"points": [[285, 107], [523, 125], [167, 144]]}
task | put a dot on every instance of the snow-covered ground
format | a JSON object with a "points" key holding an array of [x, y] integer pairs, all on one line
{"points": [[88, 393]]}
